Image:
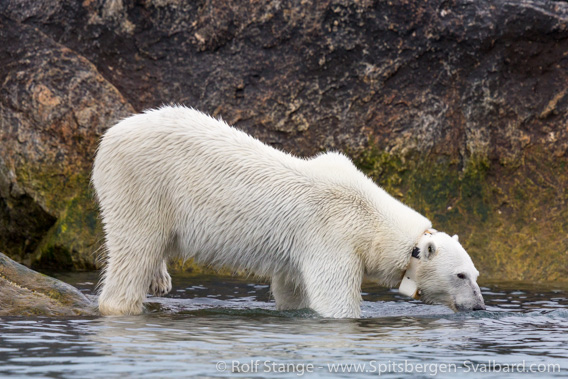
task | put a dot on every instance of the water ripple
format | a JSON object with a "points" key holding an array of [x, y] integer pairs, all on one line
{"points": [[207, 320]]}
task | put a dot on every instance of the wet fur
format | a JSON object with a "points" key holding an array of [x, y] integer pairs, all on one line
{"points": [[176, 183]]}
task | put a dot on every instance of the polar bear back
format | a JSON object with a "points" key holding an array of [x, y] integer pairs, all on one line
{"points": [[221, 196]]}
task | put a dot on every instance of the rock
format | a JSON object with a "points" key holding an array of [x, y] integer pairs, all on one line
{"points": [[24, 292], [457, 107], [54, 106]]}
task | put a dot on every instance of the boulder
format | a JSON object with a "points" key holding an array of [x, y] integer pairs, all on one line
{"points": [[24, 292], [54, 106]]}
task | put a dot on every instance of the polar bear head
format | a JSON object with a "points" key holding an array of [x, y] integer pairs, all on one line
{"points": [[446, 275]]}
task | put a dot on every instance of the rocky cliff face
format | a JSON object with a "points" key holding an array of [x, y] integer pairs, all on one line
{"points": [[456, 107]]}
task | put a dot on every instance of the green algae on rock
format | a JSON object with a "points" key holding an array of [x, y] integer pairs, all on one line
{"points": [[511, 220], [24, 292]]}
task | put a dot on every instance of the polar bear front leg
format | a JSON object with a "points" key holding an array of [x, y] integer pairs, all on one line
{"points": [[287, 294], [161, 282], [334, 290]]}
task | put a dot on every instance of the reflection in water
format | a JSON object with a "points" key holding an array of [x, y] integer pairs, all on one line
{"points": [[209, 320]]}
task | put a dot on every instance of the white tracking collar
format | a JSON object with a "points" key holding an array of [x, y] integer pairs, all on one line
{"points": [[408, 286]]}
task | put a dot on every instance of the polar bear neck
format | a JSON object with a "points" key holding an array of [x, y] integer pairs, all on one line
{"points": [[399, 229]]}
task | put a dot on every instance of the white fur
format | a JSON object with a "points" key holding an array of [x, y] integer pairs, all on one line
{"points": [[174, 182], [437, 275]]}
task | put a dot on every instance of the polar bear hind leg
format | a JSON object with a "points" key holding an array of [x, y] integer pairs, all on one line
{"points": [[133, 266]]}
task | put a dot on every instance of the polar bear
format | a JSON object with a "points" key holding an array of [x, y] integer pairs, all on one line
{"points": [[174, 182]]}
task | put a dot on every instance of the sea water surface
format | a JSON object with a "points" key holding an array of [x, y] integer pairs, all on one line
{"points": [[214, 326]]}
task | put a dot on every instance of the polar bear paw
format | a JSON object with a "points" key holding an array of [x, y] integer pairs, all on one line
{"points": [[161, 283]]}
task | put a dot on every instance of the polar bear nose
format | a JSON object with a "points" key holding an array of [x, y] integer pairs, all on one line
{"points": [[479, 307]]}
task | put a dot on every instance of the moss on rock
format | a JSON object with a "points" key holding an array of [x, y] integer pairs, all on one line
{"points": [[73, 240], [512, 220]]}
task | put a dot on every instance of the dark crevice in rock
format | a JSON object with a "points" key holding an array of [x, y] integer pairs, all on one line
{"points": [[23, 223]]}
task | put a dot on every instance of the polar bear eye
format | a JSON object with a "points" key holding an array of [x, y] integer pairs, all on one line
{"points": [[461, 276]]}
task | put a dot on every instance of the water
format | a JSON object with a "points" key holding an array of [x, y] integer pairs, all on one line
{"points": [[218, 326]]}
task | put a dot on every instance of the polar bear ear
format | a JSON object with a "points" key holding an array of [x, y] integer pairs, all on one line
{"points": [[430, 250], [455, 236]]}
